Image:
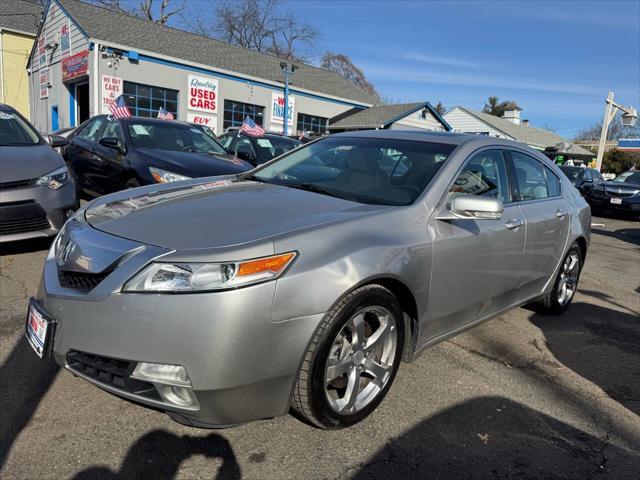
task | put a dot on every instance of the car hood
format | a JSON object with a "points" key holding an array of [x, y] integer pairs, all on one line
{"points": [[27, 162], [194, 164], [623, 185], [216, 213]]}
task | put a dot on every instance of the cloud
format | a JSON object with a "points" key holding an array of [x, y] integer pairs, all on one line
{"points": [[448, 61]]}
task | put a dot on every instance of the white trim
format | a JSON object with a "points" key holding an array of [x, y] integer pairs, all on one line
{"points": [[214, 69], [20, 32], [96, 81]]}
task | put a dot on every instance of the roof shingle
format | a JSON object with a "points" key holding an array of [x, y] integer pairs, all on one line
{"points": [[377, 116], [126, 30], [20, 15]]}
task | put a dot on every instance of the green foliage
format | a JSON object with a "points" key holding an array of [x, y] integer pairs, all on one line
{"points": [[617, 161]]}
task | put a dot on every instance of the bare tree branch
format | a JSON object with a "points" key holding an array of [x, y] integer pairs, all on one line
{"points": [[343, 66]]}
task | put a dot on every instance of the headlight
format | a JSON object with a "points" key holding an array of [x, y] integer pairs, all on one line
{"points": [[55, 179], [163, 176], [196, 277]]}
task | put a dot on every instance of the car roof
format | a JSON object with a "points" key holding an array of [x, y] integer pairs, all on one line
{"points": [[9, 108], [452, 138]]}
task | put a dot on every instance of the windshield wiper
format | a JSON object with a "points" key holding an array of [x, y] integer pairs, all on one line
{"points": [[312, 187], [250, 176]]}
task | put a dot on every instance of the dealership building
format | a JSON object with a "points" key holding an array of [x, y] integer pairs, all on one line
{"points": [[85, 56]]}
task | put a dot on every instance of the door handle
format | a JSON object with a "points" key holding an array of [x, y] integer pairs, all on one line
{"points": [[561, 213], [514, 223]]}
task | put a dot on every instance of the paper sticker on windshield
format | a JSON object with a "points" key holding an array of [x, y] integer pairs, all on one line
{"points": [[6, 116], [140, 130], [265, 142], [216, 184]]}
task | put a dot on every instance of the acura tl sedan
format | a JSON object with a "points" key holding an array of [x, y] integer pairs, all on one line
{"points": [[36, 194], [302, 285]]}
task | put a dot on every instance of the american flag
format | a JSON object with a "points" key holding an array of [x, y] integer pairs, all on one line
{"points": [[165, 114], [118, 108], [250, 127]]}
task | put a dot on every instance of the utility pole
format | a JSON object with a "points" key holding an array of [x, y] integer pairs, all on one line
{"points": [[287, 71], [629, 117]]}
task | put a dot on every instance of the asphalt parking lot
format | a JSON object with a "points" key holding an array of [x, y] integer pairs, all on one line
{"points": [[522, 396]]}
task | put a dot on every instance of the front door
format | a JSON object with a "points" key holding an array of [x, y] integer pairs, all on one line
{"points": [[539, 194], [80, 153], [108, 165], [476, 263]]}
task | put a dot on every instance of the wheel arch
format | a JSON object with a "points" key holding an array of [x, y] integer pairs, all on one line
{"points": [[582, 243]]}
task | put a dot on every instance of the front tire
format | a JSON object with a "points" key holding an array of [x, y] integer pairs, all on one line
{"points": [[566, 284], [352, 359]]}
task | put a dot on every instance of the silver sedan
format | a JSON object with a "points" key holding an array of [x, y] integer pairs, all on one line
{"points": [[303, 284]]}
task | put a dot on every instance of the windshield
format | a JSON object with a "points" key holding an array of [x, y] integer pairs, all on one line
{"points": [[628, 177], [271, 147], [366, 170], [574, 173], [14, 131], [172, 136]]}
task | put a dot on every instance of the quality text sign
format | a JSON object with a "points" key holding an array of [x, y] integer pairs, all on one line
{"points": [[203, 94]]}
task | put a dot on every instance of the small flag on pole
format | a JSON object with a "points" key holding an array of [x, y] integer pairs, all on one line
{"points": [[164, 114], [250, 127], [118, 108]]}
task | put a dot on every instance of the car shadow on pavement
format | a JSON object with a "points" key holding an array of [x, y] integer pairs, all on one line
{"points": [[159, 454], [24, 381], [25, 246], [601, 345], [629, 235], [494, 437]]}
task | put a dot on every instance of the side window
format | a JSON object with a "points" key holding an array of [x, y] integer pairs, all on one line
{"points": [[484, 174], [112, 130], [90, 131], [243, 141], [531, 183], [553, 183], [226, 140], [588, 175]]}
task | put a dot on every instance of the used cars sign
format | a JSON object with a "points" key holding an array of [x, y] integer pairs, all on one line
{"points": [[203, 94]]}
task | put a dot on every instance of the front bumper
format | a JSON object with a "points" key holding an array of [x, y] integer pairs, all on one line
{"points": [[242, 364], [35, 211]]}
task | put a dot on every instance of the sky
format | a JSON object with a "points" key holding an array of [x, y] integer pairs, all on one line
{"points": [[556, 59]]}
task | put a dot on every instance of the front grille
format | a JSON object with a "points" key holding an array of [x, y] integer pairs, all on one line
{"points": [[9, 227], [80, 280], [110, 371], [16, 184], [620, 192]]}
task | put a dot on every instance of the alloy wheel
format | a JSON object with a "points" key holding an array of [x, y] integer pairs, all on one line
{"points": [[361, 360], [568, 278]]}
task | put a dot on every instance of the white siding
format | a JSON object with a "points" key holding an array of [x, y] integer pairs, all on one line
{"points": [[415, 121], [464, 122]]}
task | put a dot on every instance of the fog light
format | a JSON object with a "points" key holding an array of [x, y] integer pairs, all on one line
{"points": [[162, 373], [181, 396]]}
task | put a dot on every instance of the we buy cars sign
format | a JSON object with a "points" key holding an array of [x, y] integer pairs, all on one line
{"points": [[203, 94], [111, 89]]}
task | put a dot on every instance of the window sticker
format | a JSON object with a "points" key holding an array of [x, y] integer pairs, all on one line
{"points": [[6, 116], [265, 142], [140, 130]]}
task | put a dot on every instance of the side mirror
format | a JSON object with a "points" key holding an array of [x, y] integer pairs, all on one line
{"points": [[244, 152], [476, 207], [57, 141], [111, 142]]}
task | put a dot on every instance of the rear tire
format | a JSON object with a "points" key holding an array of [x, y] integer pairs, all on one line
{"points": [[352, 359], [132, 183], [564, 288]]}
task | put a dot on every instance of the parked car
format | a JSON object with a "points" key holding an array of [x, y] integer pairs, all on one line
{"points": [[304, 283], [257, 150], [36, 194], [583, 178], [64, 133], [621, 195], [107, 154]]}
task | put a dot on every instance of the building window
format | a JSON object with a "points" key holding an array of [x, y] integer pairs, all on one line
{"points": [[146, 100], [235, 112], [311, 123]]}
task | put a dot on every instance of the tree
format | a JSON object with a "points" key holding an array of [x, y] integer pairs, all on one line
{"points": [[615, 132], [549, 127], [617, 161], [440, 108], [344, 66], [144, 9], [262, 26], [494, 107]]}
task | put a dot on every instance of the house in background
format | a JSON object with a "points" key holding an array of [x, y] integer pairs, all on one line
{"points": [[19, 22], [511, 127], [405, 116]]}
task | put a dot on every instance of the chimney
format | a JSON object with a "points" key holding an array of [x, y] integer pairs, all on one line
{"points": [[525, 122], [512, 113]]}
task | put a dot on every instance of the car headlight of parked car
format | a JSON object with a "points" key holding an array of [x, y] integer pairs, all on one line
{"points": [[164, 176], [54, 180], [197, 277]]}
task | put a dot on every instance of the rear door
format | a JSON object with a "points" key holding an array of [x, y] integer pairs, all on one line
{"points": [[538, 193], [81, 151], [476, 263]]}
